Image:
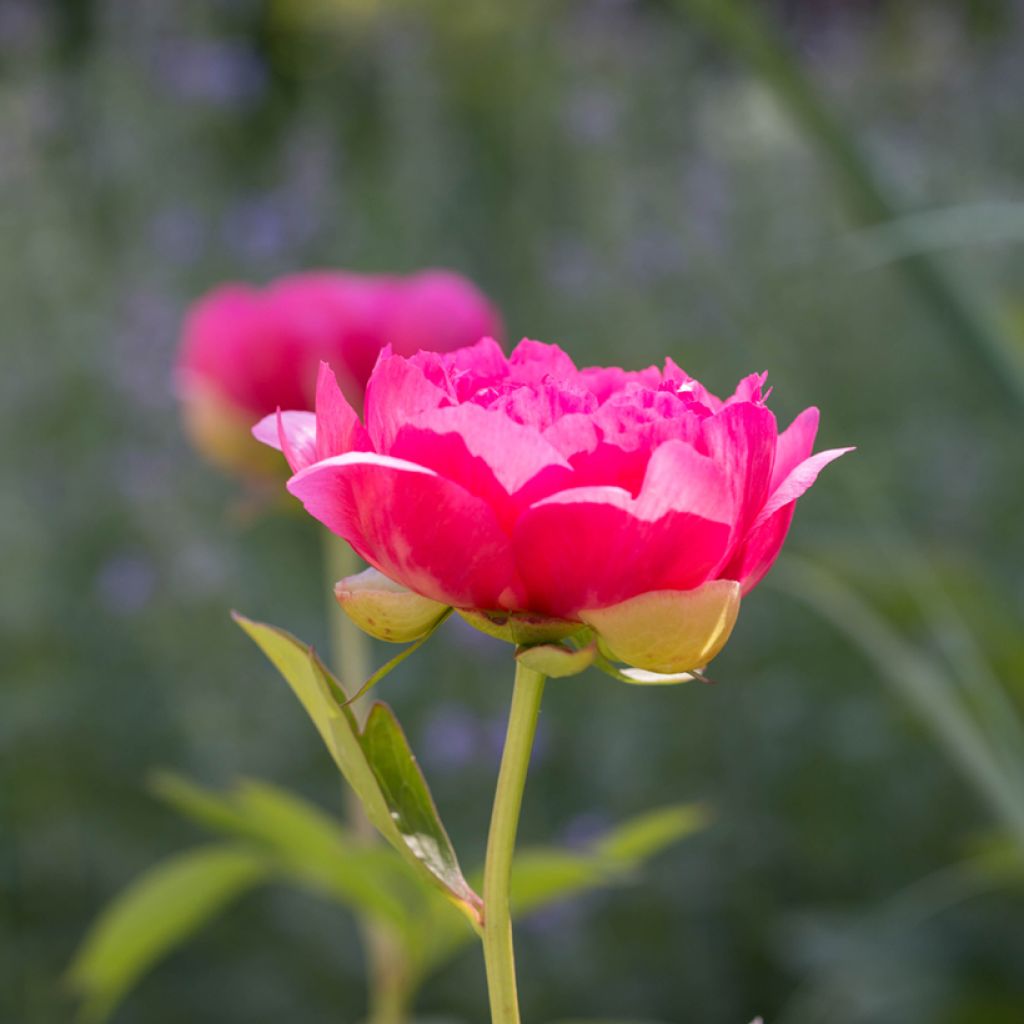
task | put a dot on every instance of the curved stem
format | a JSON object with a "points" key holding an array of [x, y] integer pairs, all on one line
{"points": [[388, 970], [501, 840]]}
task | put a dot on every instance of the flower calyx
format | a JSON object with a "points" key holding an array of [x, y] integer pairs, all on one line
{"points": [[525, 629], [559, 660], [385, 609], [667, 633]]}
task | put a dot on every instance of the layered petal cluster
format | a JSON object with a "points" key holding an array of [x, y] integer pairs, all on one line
{"points": [[524, 485], [247, 351]]}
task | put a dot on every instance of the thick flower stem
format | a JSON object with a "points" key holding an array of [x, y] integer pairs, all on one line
{"points": [[387, 969], [501, 840]]}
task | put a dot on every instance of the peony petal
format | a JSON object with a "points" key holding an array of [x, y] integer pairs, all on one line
{"points": [[532, 362], [292, 433], [795, 444], [338, 429], [741, 439], [591, 547], [419, 529], [506, 464], [797, 482], [397, 391], [758, 552]]}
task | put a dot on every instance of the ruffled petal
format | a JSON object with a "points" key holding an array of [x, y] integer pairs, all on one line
{"points": [[416, 527], [795, 444], [741, 439], [397, 391], [291, 433], [591, 547], [502, 462], [338, 429], [797, 482], [532, 362]]}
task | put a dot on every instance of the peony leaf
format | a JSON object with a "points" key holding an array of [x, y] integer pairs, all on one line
{"points": [[157, 912], [545, 875], [377, 764], [305, 844], [412, 807], [641, 837]]}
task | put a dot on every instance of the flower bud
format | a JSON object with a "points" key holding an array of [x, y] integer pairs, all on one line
{"points": [[668, 631], [222, 433], [385, 609]]}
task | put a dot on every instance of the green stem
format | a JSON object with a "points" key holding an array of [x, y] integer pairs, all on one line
{"points": [[501, 840], [388, 970]]}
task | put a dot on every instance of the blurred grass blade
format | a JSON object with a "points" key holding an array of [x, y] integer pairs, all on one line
{"points": [[740, 25], [157, 912], [916, 677], [398, 802]]}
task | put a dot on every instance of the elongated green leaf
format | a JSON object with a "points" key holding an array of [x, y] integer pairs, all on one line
{"points": [[412, 806], [205, 807], [306, 846], [157, 912], [640, 838], [393, 792], [544, 875], [320, 853]]}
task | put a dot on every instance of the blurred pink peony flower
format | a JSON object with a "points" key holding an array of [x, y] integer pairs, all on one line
{"points": [[532, 491], [248, 351]]}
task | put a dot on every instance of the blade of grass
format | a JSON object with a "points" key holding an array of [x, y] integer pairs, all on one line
{"points": [[922, 682], [740, 26]]}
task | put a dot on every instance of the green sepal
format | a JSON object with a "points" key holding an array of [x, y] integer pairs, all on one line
{"points": [[557, 661]]}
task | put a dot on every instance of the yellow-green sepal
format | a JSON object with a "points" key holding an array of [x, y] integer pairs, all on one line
{"points": [[668, 632], [385, 609]]}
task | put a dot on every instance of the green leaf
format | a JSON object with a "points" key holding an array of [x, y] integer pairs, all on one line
{"points": [[203, 806], [157, 912], [640, 838], [412, 807], [545, 875], [306, 845], [379, 766]]}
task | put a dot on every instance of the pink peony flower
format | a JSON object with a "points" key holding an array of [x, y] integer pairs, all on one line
{"points": [[533, 491], [248, 351]]}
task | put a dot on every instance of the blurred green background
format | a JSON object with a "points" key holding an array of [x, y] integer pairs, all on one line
{"points": [[631, 179]]}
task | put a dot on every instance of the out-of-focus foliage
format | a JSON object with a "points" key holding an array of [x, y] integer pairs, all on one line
{"points": [[274, 837], [626, 185]]}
